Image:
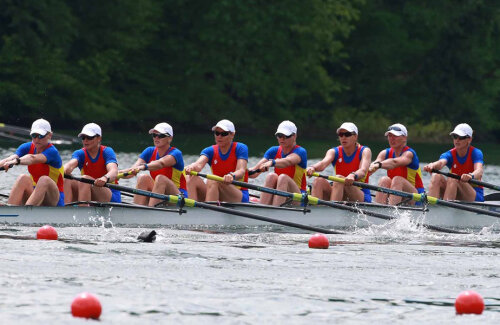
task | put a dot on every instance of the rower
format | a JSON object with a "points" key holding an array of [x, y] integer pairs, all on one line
{"points": [[350, 161], [44, 184], [96, 162], [289, 161], [464, 160], [227, 159], [165, 165], [402, 164]]}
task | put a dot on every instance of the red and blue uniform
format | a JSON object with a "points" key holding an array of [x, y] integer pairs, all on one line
{"points": [[464, 165], [96, 167], [344, 165], [175, 173], [296, 172], [222, 164], [411, 172], [53, 168]]}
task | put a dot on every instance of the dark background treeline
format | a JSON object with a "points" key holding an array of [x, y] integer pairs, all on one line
{"points": [[128, 63]]}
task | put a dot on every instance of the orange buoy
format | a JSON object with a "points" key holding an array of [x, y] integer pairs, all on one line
{"points": [[86, 305], [319, 241], [469, 302], [46, 232]]}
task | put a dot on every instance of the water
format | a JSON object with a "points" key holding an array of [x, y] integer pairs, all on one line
{"points": [[393, 273]]}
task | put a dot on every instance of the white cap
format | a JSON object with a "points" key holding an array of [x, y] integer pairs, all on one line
{"points": [[41, 127], [163, 128], [462, 130], [226, 125], [397, 129], [91, 130], [287, 128], [349, 126]]}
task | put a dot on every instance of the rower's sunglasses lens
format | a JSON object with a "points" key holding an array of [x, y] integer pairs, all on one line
{"points": [[394, 128], [86, 137], [460, 137], [160, 135], [223, 134], [39, 136], [344, 134], [281, 135]]}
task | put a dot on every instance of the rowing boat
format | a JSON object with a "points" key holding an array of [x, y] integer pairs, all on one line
{"points": [[126, 215]]}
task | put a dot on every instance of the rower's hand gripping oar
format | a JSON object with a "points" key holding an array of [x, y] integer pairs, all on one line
{"points": [[414, 196], [314, 200], [472, 181], [179, 199]]}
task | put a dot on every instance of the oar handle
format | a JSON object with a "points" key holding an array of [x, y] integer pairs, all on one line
{"points": [[472, 181], [10, 166]]}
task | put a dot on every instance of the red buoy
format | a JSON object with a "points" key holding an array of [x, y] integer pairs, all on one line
{"points": [[86, 305], [469, 302], [319, 241], [46, 232]]}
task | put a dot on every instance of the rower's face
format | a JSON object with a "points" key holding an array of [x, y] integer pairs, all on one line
{"points": [[396, 141], [284, 140], [347, 138], [90, 142], [39, 140], [223, 137], [160, 139], [461, 142]]}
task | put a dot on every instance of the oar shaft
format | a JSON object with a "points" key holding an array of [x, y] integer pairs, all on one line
{"points": [[415, 196], [314, 200], [472, 181]]}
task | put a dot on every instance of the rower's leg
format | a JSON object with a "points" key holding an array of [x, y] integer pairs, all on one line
{"points": [[100, 194], [21, 191], [400, 184], [286, 184], [321, 189], [197, 189], [84, 190], [212, 190], [229, 193], [163, 185], [144, 182], [353, 193], [437, 186], [271, 181], [380, 197], [70, 190], [45, 193], [337, 191], [465, 192]]}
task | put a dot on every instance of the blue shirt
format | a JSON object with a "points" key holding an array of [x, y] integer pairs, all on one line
{"points": [[300, 151], [241, 152], [108, 155], [476, 156], [51, 153], [176, 153]]}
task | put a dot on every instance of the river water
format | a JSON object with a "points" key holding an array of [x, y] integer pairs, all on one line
{"points": [[384, 274]]}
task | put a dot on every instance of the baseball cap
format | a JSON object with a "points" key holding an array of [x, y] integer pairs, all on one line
{"points": [[41, 127], [462, 130], [397, 129], [226, 125], [287, 128], [349, 126], [163, 128], [91, 130]]}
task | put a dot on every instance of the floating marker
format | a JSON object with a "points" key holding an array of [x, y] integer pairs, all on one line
{"points": [[469, 302], [319, 241], [86, 305], [46, 232]]}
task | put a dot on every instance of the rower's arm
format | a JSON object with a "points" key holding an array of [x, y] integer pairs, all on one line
{"points": [[477, 173], [290, 160], [438, 165], [258, 166], [198, 165], [31, 159], [70, 166], [377, 163], [321, 165], [112, 169], [9, 158], [366, 158], [167, 161], [403, 160], [241, 168]]}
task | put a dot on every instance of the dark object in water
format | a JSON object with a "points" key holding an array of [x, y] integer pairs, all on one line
{"points": [[147, 236]]}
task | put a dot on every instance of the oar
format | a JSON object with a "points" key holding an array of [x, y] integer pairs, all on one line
{"points": [[192, 203], [10, 166], [414, 196], [472, 181], [314, 200]]}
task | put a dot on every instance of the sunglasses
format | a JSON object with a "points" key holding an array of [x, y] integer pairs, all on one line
{"points": [[460, 137], [345, 134], [281, 135], [394, 128], [160, 135], [222, 134], [39, 136], [86, 137]]}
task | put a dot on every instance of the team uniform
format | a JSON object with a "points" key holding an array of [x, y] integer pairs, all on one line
{"points": [[411, 172], [96, 167], [463, 165], [175, 172], [344, 165], [296, 172], [53, 168], [222, 164]]}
